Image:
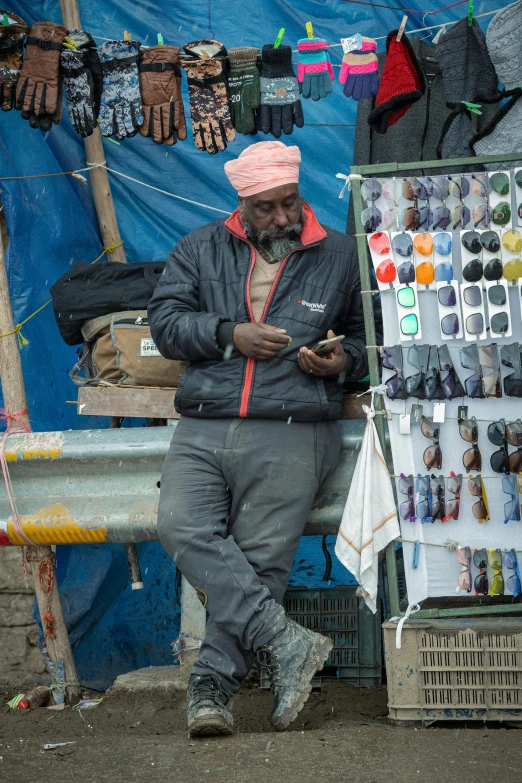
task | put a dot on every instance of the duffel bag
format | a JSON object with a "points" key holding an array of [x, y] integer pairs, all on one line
{"points": [[118, 348], [87, 291]]}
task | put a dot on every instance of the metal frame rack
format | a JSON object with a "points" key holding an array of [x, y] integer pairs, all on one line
{"points": [[391, 169]]}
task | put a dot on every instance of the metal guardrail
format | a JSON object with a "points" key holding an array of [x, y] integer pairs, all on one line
{"points": [[101, 486]]}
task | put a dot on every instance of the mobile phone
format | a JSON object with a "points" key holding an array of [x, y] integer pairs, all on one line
{"points": [[325, 347]]}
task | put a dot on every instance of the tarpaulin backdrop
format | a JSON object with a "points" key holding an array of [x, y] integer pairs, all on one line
{"points": [[52, 225]]}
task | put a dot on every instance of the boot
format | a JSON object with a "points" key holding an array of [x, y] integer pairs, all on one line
{"points": [[292, 658], [207, 712]]}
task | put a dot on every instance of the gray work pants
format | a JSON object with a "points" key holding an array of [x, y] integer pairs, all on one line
{"points": [[235, 497]]}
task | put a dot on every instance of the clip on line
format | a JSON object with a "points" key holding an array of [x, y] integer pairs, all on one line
{"points": [[401, 28], [309, 29], [279, 38]]}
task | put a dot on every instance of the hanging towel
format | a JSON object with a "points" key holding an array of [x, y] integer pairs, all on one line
{"points": [[369, 520]]}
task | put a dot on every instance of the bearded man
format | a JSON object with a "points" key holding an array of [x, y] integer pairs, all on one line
{"points": [[244, 300]]}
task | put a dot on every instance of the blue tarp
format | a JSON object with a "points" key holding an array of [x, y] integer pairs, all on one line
{"points": [[52, 224]]}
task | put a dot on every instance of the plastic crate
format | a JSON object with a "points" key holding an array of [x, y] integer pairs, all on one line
{"points": [[466, 669], [356, 657]]}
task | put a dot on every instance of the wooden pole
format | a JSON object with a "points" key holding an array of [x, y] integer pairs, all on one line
{"points": [[40, 557], [101, 189]]}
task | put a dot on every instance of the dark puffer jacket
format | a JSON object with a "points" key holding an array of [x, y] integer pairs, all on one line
{"points": [[206, 283]]}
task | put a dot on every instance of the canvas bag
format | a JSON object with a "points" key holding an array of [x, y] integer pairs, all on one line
{"points": [[118, 348]]}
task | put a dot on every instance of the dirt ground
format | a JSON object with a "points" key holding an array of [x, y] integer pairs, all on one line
{"points": [[343, 734]]}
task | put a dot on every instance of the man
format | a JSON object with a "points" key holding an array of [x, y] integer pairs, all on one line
{"points": [[244, 300]]}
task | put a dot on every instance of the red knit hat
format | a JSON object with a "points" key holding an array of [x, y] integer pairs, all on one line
{"points": [[402, 83]]}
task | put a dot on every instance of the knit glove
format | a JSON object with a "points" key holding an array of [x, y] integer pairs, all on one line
{"points": [[83, 82], [11, 48], [243, 87], [160, 80], [359, 71], [280, 106], [314, 68], [209, 110], [121, 112], [39, 90]]}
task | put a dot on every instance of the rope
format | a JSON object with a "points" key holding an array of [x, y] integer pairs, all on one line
{"points": [[22, 341], [405, 10]]}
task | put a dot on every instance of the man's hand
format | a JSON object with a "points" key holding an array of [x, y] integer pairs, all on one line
{"points": [[333, 364], [259, 341]]}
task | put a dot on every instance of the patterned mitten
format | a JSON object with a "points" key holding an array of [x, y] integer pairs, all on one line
{"points": [[83, 82], [160, 80], [121, 112], [359, 71], [209, 110], [243, 87], [39, 91], [11, 54], [314, 68], [280, 106]]}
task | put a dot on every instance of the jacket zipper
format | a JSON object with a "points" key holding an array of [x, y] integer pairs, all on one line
{"points": [[430, 80]]}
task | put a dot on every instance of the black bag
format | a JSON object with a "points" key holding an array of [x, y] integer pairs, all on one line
{"points": [[88, 291]]}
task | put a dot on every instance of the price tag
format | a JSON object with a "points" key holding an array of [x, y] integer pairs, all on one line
{"points": [[416, 414], [462, 413], [352, 43], [439, 412], [404, 424]]}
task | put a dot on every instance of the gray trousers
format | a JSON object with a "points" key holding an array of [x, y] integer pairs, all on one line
{"points": [[235, 497]]}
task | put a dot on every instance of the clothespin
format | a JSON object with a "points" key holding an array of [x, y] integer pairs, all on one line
{"points": [[69, 43], [5, 19], [279, 38], [126, 35], [474, 108], [470, 12], [416, 549], [401, 28], [160, 40], [309, 29]]}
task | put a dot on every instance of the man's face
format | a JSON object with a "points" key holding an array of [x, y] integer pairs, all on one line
{"points": [[273, 210]]}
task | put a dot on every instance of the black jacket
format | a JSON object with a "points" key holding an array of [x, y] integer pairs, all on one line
{"points": [[206, 283]]}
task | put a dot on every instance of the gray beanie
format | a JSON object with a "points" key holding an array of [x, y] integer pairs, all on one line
{"points": [[467, 71], [503, 135], [504, 42]]}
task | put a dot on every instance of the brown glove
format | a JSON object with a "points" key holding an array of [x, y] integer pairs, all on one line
{"points": [[160, 82], [39, 92], [11, 48]]}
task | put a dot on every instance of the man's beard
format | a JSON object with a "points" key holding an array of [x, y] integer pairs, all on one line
{"points": [[278, 248]]}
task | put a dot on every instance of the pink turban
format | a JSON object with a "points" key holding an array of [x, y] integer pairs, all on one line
{"points": [[263, 166]]}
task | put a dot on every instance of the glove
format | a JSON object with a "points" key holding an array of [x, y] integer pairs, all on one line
{"points": [[359, 71], [160, 81], [314, 68], [243, 88], [280, 106], [11, 47], [121, 112], [211, 123], [39, 90], [83, 82]]}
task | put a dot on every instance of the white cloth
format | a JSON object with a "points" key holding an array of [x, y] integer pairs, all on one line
{"points": [[369, 520]]}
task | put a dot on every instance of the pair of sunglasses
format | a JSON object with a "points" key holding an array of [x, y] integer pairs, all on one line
{"points": [[371, 217], [502, 434], [448, 298], [433, 454], [451, 383], [407, 508], [409, 324], [510, 486], [475, 270], [469, 359], [459, 189], [481, 213], [472, 458], [499, 322], [477, 489], [513, 582], [395, 386], [510, 356], [453, 484], [482, 558], [475, 242], [426, 384]]}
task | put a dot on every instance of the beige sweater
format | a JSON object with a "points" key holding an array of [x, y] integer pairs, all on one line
{"points": [[261, 281]]}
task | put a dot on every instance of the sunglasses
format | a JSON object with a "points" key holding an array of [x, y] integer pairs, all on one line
{"points": [[458, 187], [451, 384], [502, 434], [423, 244], [472, 458], [469, 359], [441, 217], [380, 243], [438, 505], [386, 271], [464, 578], [480, 559], [395, 386], [513, 582], [407, 508], [475, 242], [406, 296], [510, 356], [480, 508], [402, 244], [414, 218], [512, 507], [433, 454], [512, 270], [501, 214], [423, 498], [371, 217], [432, 381], [497, 580], [437, 187], [481, 212], [418, 356], [453, 484], [488, 358], [499, 182], [499, 322], [413, 189], [512, 241], [448, 298]]}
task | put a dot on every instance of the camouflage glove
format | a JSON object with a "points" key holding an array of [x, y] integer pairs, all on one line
{"points": [[243, 87], [83, 81], [11, 47], [39, 91], [121, 112], [280, 106], [211, 123], [160, 80]]}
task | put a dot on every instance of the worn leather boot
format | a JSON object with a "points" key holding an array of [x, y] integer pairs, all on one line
{"points": [[207, 713], [292, 658]]}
